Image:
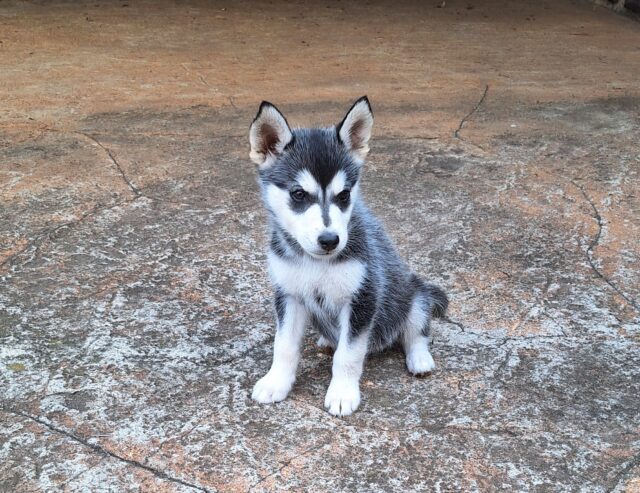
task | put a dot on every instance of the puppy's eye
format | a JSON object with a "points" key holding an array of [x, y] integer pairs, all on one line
{"points": [[298, 194], [344, 196]]}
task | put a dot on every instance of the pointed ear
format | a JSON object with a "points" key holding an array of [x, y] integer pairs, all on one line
{"points": [[269, 134], [355, 130]]}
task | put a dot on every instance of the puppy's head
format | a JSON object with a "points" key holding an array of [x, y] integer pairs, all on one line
{"points": [[309, 177]]}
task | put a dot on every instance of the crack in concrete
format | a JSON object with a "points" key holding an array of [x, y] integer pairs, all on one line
{"points": [[45, 233], [181, 436], [503, 363], [456, 134], [555, 322], [431, 428], [171, 134], [63, 486], [594, 243], [540, 302], [622, 475], [104, 452], [202, 360], [453, 322], [501, 341], [287, 463], [136, 191], [382, 138], [200, 76], [450, 428]]}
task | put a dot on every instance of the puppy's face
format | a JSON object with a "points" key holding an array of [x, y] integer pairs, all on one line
{"points": [[309, 177]]}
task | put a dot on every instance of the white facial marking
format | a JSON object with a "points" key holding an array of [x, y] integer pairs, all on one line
{"points": [[305, 227], [338, 219], [308, 183], [337, 184]]}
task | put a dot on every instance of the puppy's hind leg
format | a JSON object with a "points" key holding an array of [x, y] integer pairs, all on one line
{"points": [[324, 343], [292, 321], [415, 338]]}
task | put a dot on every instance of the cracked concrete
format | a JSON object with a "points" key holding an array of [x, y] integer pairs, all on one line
{"points": [[96, 448], [135, 311], [456, 134]]}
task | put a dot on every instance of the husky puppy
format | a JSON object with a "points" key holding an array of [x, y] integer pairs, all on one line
{"points": [[331, 263]]}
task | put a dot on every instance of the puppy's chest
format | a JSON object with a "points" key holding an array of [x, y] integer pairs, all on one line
{"points": [[317, 283]]}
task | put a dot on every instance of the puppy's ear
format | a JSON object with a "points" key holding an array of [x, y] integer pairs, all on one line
{"points": [[355, 130], [269, 134]]}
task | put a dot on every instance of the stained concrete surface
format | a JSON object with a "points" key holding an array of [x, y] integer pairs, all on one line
{"points": [[135, 311]]}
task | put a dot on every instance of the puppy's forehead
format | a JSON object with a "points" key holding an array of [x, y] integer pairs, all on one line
{"points": [[315, 156], [306, 180], [338, 183], [319, 152]]}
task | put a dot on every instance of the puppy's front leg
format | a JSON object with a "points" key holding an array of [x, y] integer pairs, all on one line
{"points": [[343, 394], [292, 321]]}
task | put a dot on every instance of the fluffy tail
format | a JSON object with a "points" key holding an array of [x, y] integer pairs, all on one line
{"points": [[439, 300]]}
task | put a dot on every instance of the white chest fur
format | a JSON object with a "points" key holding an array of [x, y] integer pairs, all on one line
{"points": [[308, 278]]}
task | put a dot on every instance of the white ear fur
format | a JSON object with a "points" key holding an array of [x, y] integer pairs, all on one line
{"points": [[355, 130], [269, 134]]}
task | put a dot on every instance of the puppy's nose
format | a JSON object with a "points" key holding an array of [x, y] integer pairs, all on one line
{"points": [[328, 241]]}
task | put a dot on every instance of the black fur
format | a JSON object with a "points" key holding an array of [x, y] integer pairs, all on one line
{"points": [[316, 150], [389, 288], [363, 307], [280, 303]]}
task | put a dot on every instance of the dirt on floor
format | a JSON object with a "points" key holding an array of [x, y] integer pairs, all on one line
{"points": [[135, 309]]}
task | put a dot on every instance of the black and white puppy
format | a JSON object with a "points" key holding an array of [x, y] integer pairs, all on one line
{"points": [[331, 263]]}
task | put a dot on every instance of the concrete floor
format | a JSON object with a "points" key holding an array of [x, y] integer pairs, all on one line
{"points": [[135, 311]]}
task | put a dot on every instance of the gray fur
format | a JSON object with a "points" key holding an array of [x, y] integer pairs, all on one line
{"points": [[384, 299]]}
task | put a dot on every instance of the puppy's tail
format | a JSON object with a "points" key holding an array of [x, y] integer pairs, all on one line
{"points": [[439, 299], [436, 298]]}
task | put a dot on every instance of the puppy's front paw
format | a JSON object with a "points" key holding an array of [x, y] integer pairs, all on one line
{"points": [[343, 397], [273, 387], [420, 362]]}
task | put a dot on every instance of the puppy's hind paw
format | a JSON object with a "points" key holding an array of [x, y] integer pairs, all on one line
{"points": [[420, 362], [271, 388], [324, 343]]}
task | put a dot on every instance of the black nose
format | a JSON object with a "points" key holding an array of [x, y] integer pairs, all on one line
{"points": [[328, 241]]}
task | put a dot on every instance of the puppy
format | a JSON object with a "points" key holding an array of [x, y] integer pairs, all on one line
{"points": [[332, 265]]}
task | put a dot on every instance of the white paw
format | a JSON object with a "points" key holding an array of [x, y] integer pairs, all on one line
{"points": [[343, 397], [273, 387], [323, 342], [420, 361]]}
